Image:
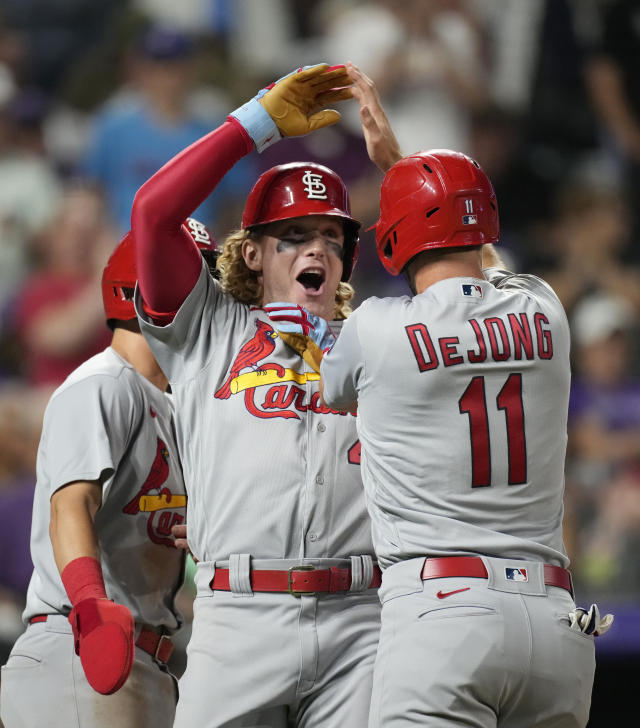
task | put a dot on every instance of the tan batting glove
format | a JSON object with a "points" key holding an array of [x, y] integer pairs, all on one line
{"points": [[292, 101], [305, 346], [295, 104]]}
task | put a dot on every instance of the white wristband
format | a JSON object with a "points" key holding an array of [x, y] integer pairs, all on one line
{"points": [[258, 124]]}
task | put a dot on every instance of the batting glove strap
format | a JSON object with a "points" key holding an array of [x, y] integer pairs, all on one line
{"points": [[589, 621], [292, 105], [257, 122]]}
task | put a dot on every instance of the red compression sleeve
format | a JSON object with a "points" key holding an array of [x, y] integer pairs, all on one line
{"points": [[167, 259], [82, 578]]}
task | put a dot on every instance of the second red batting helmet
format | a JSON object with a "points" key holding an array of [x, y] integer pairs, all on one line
{"points": [[298, 189], [434, 199], [119, 275]]}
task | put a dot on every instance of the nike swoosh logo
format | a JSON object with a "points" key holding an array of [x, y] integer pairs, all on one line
{"points": [[444, 595]]}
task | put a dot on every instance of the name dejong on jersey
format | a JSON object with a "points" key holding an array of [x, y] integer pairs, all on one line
{"points": [[496, 338], [269, 389]]}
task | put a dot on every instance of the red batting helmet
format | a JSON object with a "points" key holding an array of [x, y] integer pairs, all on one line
{"points": [[298, 189], [434, 199], [119, 275]]}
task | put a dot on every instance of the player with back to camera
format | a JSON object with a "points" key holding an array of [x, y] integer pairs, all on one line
{"points": [[286, 616], [101, 602], [462, 393]]}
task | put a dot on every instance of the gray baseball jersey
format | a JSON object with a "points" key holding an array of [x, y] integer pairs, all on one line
{"points": [[462, 413], [274, 481], [107, 422], [270, 471], [444, 380]]}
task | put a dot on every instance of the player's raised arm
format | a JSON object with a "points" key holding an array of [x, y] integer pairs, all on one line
{"points": [[382, 145], [293, 105]]}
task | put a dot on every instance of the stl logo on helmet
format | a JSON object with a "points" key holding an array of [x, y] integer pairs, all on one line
{"points": [[199, 231], [314, 186]]}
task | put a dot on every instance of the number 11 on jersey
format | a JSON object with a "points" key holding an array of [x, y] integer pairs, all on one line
{"points": [[474, 404]]}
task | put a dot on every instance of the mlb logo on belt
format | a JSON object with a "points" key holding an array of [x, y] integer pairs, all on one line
{"points": [[472, 290], [514, 574]]}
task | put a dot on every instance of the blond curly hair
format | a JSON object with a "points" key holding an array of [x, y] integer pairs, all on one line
{"points": [[243, 283]]}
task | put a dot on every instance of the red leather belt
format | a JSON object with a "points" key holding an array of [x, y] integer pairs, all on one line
{"points": [[298, 580], [472, 566], [159, 646]]}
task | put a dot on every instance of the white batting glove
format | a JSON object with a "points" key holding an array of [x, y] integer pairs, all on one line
{"points": [[294, 319], [589, 621]]}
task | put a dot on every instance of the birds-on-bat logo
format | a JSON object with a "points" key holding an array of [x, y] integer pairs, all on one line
{"points": [[260, 346], [284, 388], [152, 497]]}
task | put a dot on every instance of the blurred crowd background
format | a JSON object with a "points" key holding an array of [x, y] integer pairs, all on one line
{"points": [[545, 94]]}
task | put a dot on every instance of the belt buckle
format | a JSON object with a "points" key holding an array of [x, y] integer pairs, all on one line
{"points": [[161, 641], [296, 592]]}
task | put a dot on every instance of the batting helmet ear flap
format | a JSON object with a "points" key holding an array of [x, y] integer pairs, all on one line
{"points": [[298, 189], [119, 275], [119, 282], [203, 238]]}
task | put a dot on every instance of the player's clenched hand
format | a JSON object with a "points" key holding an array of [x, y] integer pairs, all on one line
{"points": [[382, 145], [104, 639], [304, 332], [295, 104], [294, 319]]}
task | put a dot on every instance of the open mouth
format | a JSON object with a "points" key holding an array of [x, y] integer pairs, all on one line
{"points": [[311, 279]]}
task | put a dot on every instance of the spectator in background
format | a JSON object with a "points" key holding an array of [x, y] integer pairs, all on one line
{"points": [[427, 59], [21, 411], [604, 433], [583, 249], [57, 314], [428, 62], [143, 127], [614, 83], [29, 188]]}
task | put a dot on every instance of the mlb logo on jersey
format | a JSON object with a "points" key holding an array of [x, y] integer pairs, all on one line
{"points": [[514, 574], [472, 290]]}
